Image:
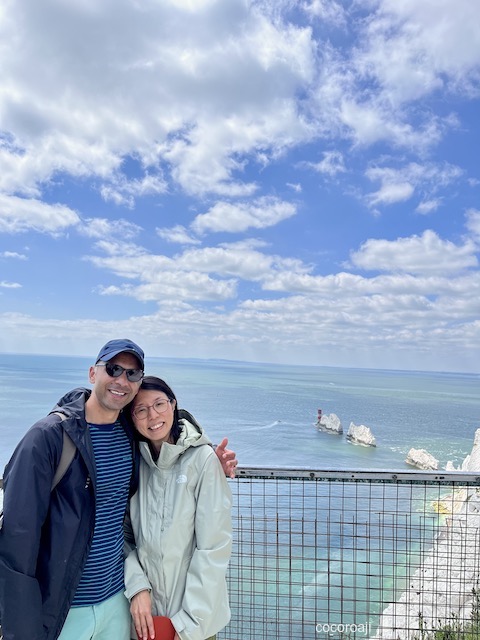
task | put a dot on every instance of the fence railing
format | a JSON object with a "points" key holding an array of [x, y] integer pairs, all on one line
{"points": [[354, 554]]}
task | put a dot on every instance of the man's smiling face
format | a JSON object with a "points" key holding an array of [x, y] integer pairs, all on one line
{"points": [[110, 394]]}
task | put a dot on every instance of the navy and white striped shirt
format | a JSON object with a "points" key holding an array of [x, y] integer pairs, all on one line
{"points": [[103, 572]]}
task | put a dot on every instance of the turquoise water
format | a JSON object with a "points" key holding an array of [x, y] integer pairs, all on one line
{"points": [[269, 411]]}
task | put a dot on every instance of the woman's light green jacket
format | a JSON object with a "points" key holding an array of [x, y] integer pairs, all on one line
{"points": [[180, 518]]}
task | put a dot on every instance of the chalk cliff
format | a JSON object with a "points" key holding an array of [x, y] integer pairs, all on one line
{"points": [[441, 589]]}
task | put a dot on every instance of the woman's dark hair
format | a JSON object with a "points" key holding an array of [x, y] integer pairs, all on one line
{"points": [[152, 383]]}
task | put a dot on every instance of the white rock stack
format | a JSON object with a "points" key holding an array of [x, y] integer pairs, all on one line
{"points": [[421, 459], [330, 423], [360, 434]]}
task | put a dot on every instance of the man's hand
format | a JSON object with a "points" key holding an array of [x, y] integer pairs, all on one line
{"points": [[141, 610], [227, 458]]}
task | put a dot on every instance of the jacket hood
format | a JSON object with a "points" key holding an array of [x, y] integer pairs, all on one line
{"points": [[73, 402], [192, 434]]}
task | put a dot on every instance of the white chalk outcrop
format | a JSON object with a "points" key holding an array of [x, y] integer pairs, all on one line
{"points": [[360, 434], [442, 587], [421, 459], [330, 423], [472, 461]]}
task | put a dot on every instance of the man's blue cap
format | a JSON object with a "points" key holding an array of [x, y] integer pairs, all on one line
{"points": [[114, 347]]}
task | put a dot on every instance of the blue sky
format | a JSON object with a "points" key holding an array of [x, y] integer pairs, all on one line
{"points": [[276, 181]]}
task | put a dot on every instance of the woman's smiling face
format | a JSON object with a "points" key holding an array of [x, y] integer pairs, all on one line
{"points": [[152, 414]]}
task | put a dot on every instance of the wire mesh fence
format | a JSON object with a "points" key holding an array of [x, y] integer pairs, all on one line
{"points": [[335, 555]]}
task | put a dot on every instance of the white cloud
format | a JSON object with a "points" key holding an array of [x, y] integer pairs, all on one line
{"points": [[331, 164], [326, 10], [398, 185], [343, 285], [10, 285], [237, 259], [209, 273], [390, 193], [403, 53], [100, 228], [373, 121], [380, 328], [383, 321], [227, 85], [171, 285], [13, 255], [124, 192], [18, 215], [212, 90], [295, 186], [425, 254], [116, 249], [177, 234], [427, 206], [473, 223], [188, 104], [160, 278], [236, 217], [413, 48], [25, 166]]}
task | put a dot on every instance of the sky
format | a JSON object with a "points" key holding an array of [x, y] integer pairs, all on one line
{"points": [[274, 181]]}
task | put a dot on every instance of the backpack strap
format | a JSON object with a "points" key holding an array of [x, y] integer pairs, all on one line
{"points": [[68, 453]]}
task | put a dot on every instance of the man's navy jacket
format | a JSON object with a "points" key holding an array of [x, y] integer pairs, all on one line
{"points": [[46, 535]]}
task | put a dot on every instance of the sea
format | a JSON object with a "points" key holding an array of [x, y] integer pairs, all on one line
{"points": [[269, 414], [269, 411]]}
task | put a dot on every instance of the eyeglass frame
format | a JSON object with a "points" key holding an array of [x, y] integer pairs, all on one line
{"points": [[167, 402], [110, 366]]}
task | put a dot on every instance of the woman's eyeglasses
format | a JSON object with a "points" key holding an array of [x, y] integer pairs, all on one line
{"points": [[115, 371], [160, 406]]}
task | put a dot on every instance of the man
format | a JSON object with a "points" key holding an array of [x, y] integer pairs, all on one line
{"points": [[61, 550]]}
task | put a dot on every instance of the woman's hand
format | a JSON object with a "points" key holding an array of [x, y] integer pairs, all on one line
{"points": [[141, 610]]}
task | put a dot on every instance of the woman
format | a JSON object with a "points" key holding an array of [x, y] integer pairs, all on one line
{"points": [[180, 519]]}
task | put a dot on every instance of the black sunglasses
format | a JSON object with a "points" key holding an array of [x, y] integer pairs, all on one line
{"points": [[115, 371]]}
